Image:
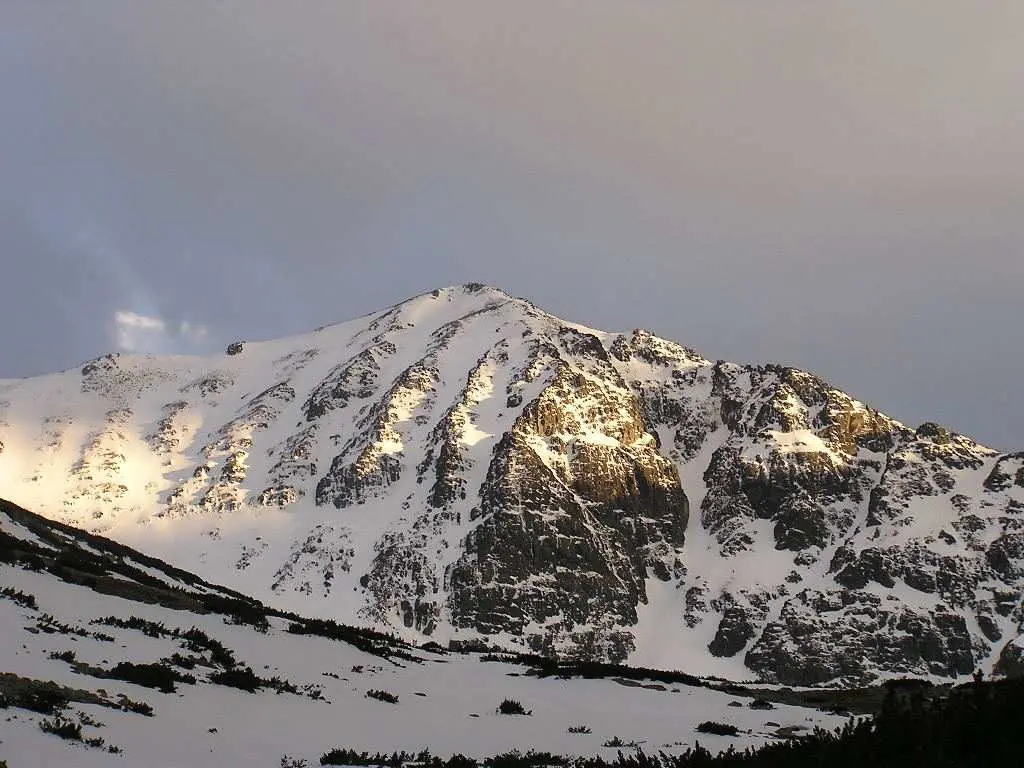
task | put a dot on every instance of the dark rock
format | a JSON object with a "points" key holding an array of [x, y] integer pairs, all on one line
{"points": [[735, 629], [1005, 600], [800, 524], [355, 378], [100, 365], [932, 431], [1006, 555], [869, 565], [807, 646], [920, 580], [1011, 660], [988, 624], [1007, 472]]}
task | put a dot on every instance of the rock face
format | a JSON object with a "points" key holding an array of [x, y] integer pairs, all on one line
{"points": [[577, 502], [465, 467]]}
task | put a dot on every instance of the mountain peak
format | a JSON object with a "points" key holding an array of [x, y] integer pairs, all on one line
{"points": [[472, 290], [466, 467]]}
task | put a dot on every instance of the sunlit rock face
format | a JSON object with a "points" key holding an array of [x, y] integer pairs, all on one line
{"points": [[577, 502], [467, 468]]}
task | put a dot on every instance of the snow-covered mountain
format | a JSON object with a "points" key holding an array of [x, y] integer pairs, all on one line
{"points": [[110, 658], [465, 467]]}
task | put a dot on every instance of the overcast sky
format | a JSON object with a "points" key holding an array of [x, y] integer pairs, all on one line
{"points": [[835, 185]]}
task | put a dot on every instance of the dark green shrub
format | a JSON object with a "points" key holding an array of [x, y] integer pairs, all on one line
{"points": [[516, 759], [43, 701], [543, 666], [242, 678], [390, 698], [86, 719], [717, 729], [51, 626], [280, 685], [159, 676], [63, 728], [138, 707], [342, 756], [23, 599], [512, 707], [148, 628], [377, 643], [185, 662], [198, 641], [503, 658]]}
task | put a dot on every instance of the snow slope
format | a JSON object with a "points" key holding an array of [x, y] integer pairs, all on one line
{"points": [[464, 466], [446, 702]]}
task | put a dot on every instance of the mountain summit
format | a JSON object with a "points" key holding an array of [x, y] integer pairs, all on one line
{"points": [[467, 468]]}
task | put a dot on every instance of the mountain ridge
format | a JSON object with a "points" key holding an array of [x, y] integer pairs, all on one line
{"points": [[461, 465]]}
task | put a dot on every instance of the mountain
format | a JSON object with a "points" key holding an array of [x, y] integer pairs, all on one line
{"points": [[467, 468], [110, 657]]}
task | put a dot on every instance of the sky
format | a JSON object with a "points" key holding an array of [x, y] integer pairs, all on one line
{"points": [[837, 186]]}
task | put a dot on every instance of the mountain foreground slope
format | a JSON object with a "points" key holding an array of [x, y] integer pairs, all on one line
{"points": [[109, 657], [466, 468]]}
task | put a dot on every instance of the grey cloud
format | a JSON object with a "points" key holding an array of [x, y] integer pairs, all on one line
{"points": [[836, 185]]}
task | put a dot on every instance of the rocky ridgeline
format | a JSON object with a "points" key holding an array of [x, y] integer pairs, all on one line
{"points": [[467, 468]]}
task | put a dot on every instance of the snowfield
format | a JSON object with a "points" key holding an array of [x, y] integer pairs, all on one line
{"points": [[446, 701]]}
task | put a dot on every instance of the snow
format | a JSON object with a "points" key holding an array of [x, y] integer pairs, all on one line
{"points": [[803, 441], [446, 702]]}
